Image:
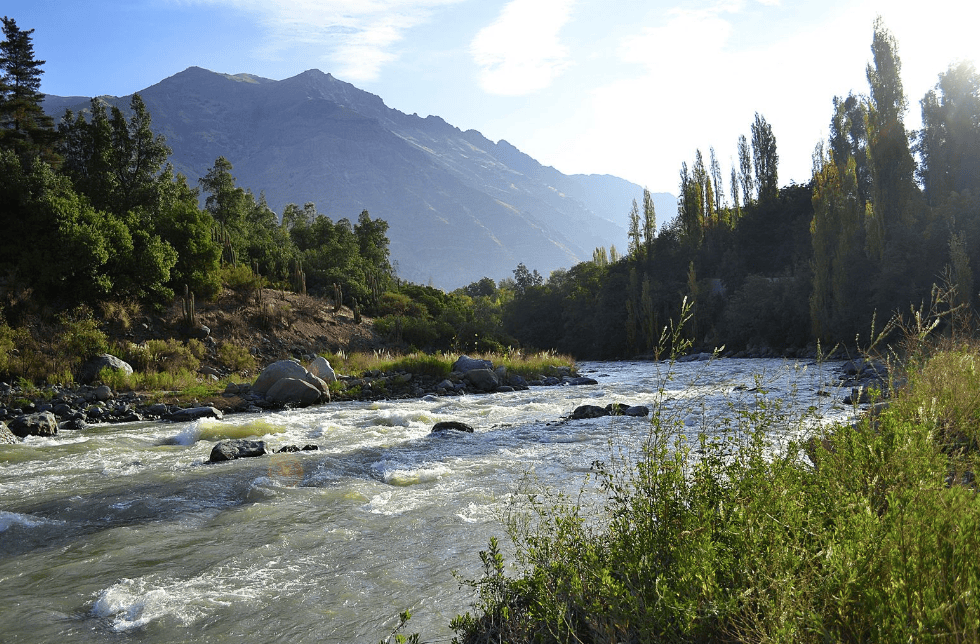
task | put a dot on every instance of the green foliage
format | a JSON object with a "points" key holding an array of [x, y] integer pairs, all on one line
{"points": [[234, 357], [164, 356]]}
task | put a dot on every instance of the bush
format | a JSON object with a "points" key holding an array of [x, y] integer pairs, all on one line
{"points": [[234, 357]]}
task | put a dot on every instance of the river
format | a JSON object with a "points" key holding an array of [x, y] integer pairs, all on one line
{"points": [[121, 533]]}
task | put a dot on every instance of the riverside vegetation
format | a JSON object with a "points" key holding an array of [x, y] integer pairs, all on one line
{"points": [[860, 533]]}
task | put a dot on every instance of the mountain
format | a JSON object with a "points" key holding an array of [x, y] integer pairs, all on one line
{"points": [[459, 206]]}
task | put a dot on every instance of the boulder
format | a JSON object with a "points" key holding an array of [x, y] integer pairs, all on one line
{"points": [[289, 449], [276, 371], [321, 368], [40, 424], [451, 425], [7, 437], [194, 413], [102, 392], [482, 379], [465, 364], [580, 381], [91, 369], [288, 369], [589, 411], [293, 391], [231, 450], [637, 411]]}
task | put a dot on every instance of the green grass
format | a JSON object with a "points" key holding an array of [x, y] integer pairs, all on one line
{"points": [[439, 365]]}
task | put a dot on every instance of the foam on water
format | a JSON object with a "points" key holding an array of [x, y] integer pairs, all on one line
{"points": [[132, 604], [10, 519], [207, 429]]}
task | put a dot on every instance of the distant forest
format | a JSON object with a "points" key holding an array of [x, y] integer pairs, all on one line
{"points": [[93, 213]]}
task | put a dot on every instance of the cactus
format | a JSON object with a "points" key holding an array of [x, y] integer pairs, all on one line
{"points": [[299, 277], [187, 307], [220, 236], [357, 311], [338, 297]]}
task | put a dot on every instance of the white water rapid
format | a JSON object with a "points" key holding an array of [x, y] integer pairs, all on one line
{"points": [[121, 533]]}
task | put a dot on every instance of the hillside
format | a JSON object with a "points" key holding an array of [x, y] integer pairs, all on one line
{"points": [[460, 207]]}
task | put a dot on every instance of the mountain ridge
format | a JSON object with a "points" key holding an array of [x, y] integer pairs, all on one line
{"points": [[459, 206]]}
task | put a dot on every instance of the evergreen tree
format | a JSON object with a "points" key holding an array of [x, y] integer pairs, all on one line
{"points": [[117, 162], [24, 127]]}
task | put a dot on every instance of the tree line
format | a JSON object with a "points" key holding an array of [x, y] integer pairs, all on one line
{"points": [[94, 212], [887, 214]]}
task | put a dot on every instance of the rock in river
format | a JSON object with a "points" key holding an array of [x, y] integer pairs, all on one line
{"points": [[231, 450]]}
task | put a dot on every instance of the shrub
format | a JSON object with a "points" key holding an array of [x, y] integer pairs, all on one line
{"points": [[234, 357]]}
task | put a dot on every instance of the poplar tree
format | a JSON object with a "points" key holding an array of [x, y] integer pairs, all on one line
{"points": [[634, 234], [890, 159], [716, 180], [949, 142], [765, 159], [745, 170], [649, 222]]}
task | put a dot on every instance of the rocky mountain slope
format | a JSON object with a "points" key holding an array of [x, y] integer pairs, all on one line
{"points": [[460, 207]]}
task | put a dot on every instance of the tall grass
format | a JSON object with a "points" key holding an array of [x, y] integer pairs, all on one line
{"points": [[860, 535], [439, 365]]}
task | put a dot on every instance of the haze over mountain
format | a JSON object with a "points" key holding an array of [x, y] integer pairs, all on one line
{"points": [[460, 207]]}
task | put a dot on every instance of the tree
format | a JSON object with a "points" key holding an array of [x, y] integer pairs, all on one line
{"points": [[849, 139], [649, 222], [745, 170], [716, 180], [24, 127], [525, 279], [372, 241], [689, 207], [736, 211], [635, 234], [117, 162], [949, 142], [889, 156], [765, 159]]}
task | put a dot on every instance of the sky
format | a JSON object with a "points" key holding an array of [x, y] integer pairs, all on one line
{"points": [[630, 88]]}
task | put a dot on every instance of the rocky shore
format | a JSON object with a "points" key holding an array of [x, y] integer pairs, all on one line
{"points": [[286, 383], [282, 384]]}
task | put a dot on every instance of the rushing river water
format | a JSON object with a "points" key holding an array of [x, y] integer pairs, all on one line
{"points": [[121, 533]]}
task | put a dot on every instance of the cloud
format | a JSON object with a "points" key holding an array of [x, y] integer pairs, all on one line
{"points": [[355, 38], [520, 52]]}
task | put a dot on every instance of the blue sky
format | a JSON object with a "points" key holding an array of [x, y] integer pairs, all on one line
{"points": [[624, 87]]}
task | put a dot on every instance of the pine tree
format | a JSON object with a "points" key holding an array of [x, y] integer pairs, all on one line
{"points": [[24, 127]]}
